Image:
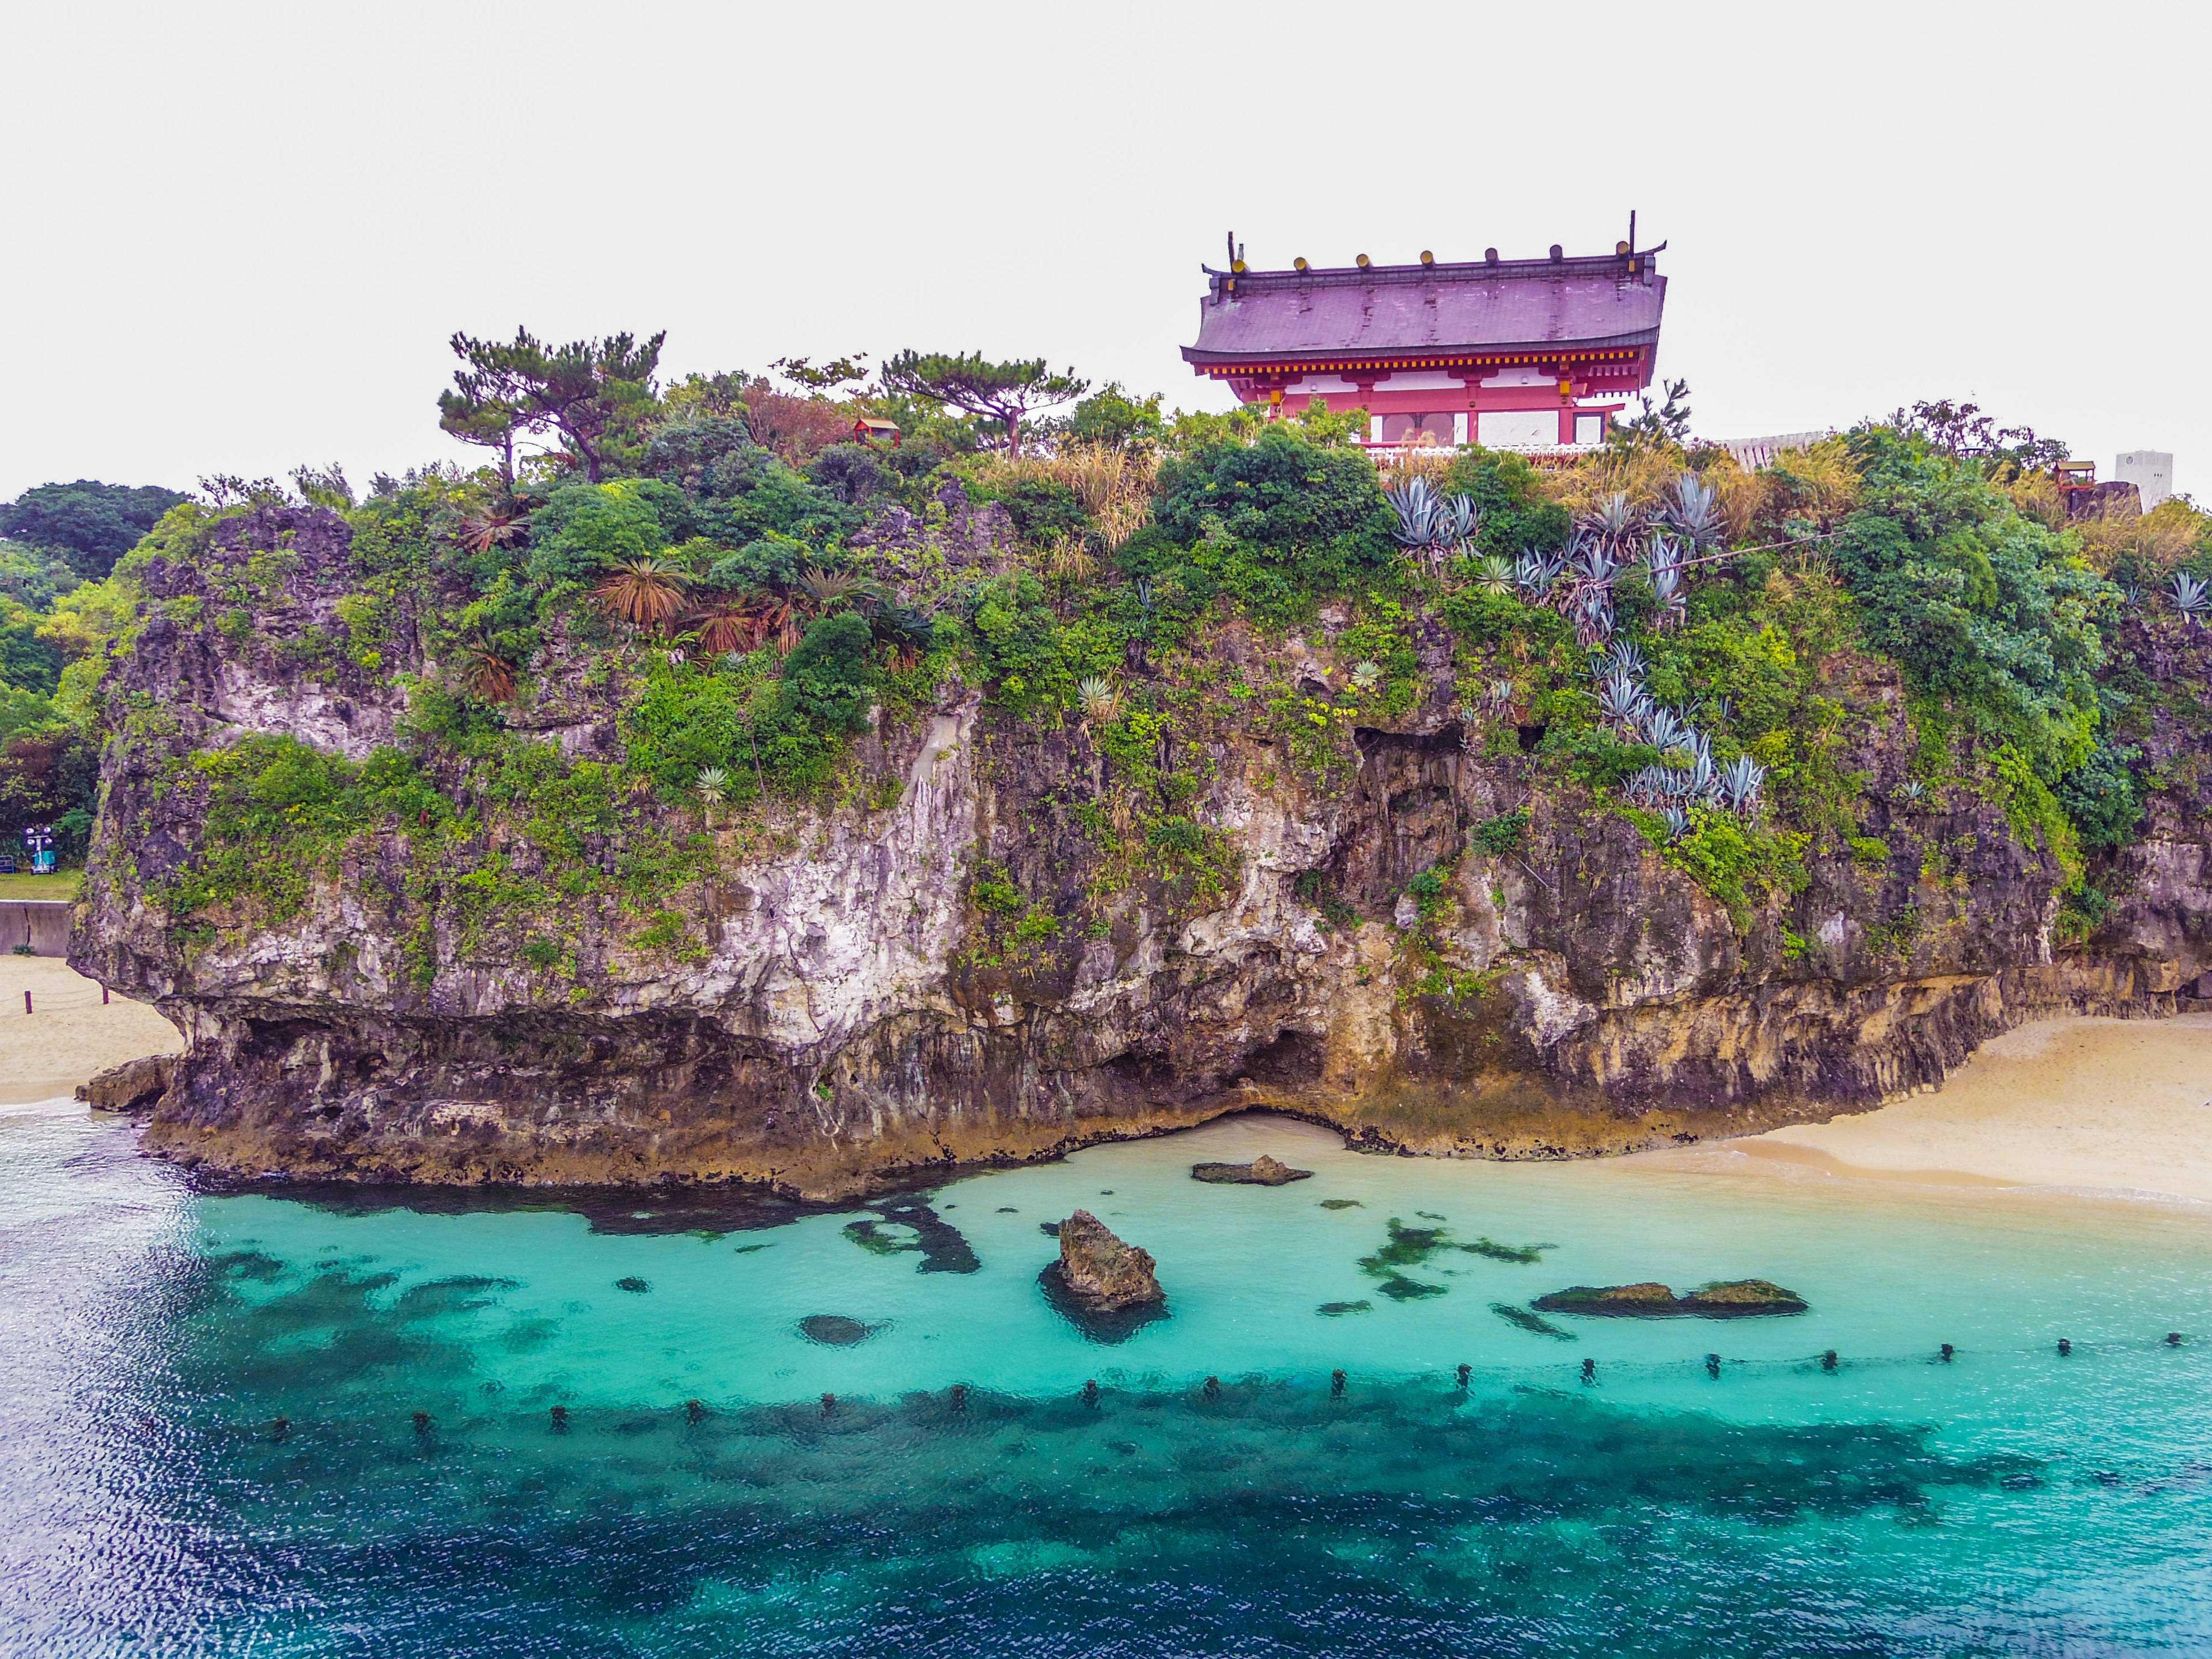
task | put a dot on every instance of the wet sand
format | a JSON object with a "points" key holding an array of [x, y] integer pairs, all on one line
{"points": [[70, 1034], [2108, 1106]]}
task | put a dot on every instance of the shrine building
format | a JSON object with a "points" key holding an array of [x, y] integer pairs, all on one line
{"points": [[1510, 354]]}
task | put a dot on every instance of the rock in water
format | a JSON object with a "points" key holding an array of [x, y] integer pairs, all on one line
{"points": [[1261, 1171], [1734, 1299], [133, 1086], [1100, 1272]]}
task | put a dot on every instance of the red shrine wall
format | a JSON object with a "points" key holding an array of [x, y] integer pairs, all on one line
{"points": [[1514, 405]]}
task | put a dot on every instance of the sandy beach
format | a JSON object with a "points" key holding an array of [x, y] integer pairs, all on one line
{"points": [[70, 1034], [2096, 1105]]}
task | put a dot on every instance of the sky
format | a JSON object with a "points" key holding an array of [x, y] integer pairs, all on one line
{"points": [[239, 236]]}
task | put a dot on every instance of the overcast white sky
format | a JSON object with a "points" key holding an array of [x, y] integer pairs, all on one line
{"points": [[238, 235]]}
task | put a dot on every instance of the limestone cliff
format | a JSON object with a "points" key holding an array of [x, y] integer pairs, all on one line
{"points": [[959, 955]]}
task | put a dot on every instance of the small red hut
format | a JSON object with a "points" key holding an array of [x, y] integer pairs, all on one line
{"points": [[1514, 354]]}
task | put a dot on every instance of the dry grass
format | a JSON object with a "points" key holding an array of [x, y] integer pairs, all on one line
{"points": [[2161, 538], [1401, 466], [1114, 485]]}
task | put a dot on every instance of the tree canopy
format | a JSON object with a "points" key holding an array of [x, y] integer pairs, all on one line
{"points": [[90, 524], [995, 392], [585, 390]]}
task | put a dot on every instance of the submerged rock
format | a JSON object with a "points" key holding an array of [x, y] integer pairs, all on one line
{"points": [[1733, 1299], [1534, 1324], [904, 1225], [1261, 1171], [835, 1330]]}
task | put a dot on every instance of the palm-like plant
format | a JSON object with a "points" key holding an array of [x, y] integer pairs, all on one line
{"points": [[491, 527], [828, 588], [486, 671], [1099, 699], [1494, 576], [647, 592], [729, 625], [2191, 596], [711, 786], [1365, 676]]}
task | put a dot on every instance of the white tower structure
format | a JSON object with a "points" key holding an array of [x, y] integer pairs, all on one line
{"points": [[2150, 471]]}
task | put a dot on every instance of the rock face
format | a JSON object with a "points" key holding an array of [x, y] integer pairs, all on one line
{"points": [[1734, 1299], [830, 997], [133, 1086], [1100, 1272], [1261, 1171]]}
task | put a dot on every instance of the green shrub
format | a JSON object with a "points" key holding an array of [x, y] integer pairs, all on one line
{"points": [[1502, 834]]}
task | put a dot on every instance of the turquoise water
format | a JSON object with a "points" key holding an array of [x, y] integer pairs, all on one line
{"points": [[207, 1444]]}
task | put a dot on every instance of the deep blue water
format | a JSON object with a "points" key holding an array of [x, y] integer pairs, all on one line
{"points": [[208, 1441]]}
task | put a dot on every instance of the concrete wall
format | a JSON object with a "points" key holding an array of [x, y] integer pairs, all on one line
{"points": [[42, 924]]}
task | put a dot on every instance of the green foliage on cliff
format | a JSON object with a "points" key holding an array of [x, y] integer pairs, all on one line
{"points": [[1178, 610], [277, 813]]}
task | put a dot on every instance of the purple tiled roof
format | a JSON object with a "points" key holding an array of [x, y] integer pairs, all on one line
{"points": [[1403, 309]]}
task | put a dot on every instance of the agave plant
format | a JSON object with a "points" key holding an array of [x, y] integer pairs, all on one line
{"points": [[1678, 822], [1625, 657], [1365, 676], [1664, 729], [647, 592], [1739, 780], [712, 784], [1611, 523], [1621, 699], [1721, 708], [1098, 697], [1416, 504], [1457, 518], [2191, 596], [1593, 617], [1667, 586], [1648, 785], [1499, 696], [1534, 572], [1590, 560], [1693, 511], [1495, 574], [1910, 791], [1704, 780]]}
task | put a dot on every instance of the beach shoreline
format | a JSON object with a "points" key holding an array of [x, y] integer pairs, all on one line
{"points": [[69, 1035], [2099, 1107]]}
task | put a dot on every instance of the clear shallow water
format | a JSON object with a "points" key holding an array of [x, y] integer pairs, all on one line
{"points": [[2010, 1501]]}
